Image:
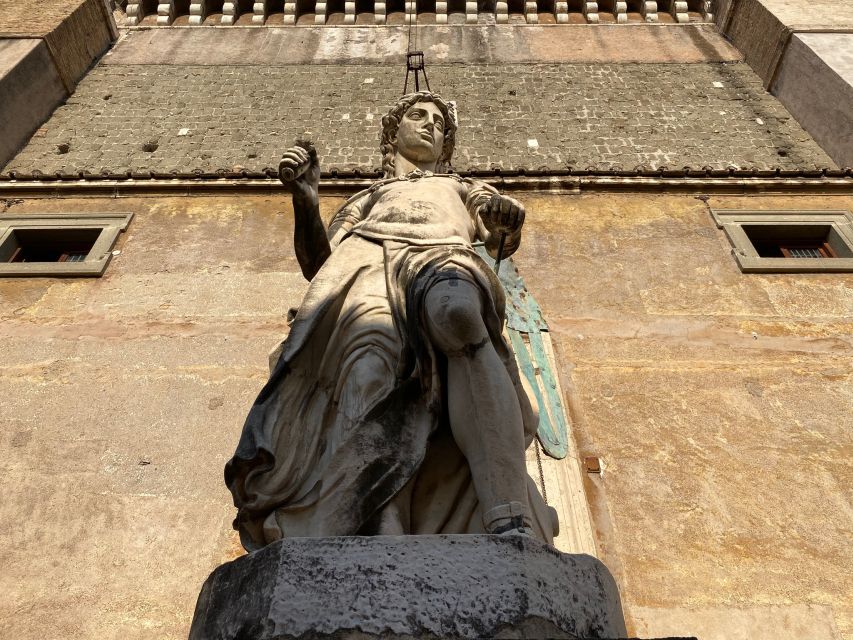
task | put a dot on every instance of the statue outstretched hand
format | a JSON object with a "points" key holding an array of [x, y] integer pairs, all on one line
{"points": [[299, 170], [502, 214]]}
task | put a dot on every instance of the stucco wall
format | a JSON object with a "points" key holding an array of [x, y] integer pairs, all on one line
{"points": [[815, 83], [719, 403]]}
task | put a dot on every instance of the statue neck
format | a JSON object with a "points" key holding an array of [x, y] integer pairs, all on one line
{"points": [[404, 166]]}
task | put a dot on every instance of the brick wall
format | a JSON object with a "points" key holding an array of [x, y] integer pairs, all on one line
{"points": [[526, 116]]}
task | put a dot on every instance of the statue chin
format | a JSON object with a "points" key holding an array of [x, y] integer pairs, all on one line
{"points": [[423, 159]]}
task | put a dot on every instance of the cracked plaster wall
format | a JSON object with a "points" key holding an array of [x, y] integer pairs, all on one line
{"points": [[717, 401]]}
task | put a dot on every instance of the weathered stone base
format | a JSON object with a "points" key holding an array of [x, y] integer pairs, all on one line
{"points": [[459, 586]]}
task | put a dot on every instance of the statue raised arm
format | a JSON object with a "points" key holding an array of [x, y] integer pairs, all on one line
{"points": [[299, 171]]}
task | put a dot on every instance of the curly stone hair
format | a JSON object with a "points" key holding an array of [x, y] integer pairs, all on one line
{"points": [[391, 122]]}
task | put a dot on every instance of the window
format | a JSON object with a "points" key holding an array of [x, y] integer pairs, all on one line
{"points": [[59, 244], [789, 241]]}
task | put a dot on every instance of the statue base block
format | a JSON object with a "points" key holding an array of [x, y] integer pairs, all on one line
{"points": [[448, 586]]}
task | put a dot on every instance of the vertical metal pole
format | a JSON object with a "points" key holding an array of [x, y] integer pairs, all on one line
{"points": [[500, 255]]}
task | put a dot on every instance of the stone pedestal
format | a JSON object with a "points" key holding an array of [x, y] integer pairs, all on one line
{"points": [[455, 586]]}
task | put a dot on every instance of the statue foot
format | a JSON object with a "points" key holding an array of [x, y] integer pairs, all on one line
{"points": [[508, 519], [513, 530]]}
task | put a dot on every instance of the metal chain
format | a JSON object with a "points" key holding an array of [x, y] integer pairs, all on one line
{"points": [[541, 473]]}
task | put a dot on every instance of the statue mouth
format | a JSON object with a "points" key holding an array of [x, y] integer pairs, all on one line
{"points": [[427, 136]]}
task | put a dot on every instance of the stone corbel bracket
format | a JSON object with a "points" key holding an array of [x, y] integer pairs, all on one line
{"points": [[590, 11], [165, 13], [649, 10], [707, 9], [470, 13], [135, 12], [379, 11], [501, 11], [441, 12], [230, 12], [561, 12], [320, 12], [349, 12], [198, 12], [291, 12], [678, 10], [531, 12], [259, 12]]}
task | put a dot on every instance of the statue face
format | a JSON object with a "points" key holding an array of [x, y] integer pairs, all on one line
{"points": [[420, 137]]}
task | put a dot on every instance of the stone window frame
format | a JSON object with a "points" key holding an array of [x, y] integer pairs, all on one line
{"points": [[96, 261], [732, 221]]}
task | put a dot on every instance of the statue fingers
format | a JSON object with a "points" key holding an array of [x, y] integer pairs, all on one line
{"points": [[490, 212], [522, 214], [507, 206], [512, 219], [296, 155]]}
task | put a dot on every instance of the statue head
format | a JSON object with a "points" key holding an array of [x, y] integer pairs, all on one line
{"points": [[432, 108]]}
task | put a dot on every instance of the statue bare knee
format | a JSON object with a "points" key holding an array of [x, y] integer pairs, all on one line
{"points": [[485, 416]]}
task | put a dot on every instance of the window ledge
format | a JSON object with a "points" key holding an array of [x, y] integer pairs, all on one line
{"points": [[95, 262], [838, 225]]}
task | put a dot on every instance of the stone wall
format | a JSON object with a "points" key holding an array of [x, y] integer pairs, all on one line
{"points": [[30, 89], [317, 12], [45, 48], [80, 39], [35, 17], [762, 29], [182, 119], [815, 82], [75, 31], [717, 401], [801, 52], [761, 37]]}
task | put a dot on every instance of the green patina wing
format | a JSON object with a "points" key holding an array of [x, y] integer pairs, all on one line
{"points": [[528, 335]]}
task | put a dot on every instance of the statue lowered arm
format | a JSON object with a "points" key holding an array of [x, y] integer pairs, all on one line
{"points": [[496, 216], [299, 171]]}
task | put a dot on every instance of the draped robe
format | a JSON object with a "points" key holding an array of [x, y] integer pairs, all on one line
{"points": [[353, 420]]}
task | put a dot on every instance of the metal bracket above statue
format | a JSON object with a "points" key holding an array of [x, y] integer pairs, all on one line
{"points": [[395, 405]]}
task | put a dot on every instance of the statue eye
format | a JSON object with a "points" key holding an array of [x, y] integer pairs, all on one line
{"points": [[415, 115], [439, 124]]}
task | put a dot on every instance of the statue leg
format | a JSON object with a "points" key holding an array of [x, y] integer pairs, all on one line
{"points": [[485, 416]]}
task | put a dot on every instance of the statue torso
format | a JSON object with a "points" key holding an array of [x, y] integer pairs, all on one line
{"points": [[428, 209]]}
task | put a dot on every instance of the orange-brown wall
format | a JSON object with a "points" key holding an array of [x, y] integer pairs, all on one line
{"points": [[719, 403]]}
